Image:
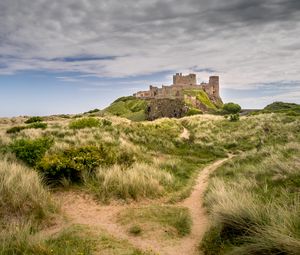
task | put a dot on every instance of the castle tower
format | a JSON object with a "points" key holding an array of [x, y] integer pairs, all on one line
{"points": [[184, 80], [214, 82]]}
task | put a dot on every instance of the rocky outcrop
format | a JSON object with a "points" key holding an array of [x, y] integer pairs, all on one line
{"points": [[170, 108]]}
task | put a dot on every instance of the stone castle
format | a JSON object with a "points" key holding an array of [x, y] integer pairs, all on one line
{"points": [[181, 83]]}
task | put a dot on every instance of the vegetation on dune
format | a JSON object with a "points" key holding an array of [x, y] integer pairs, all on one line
{"points": [[254, 203], [84, 123], [174, 220], [253, 200], [22, 194], [135, 182], [282, 107], [128, 107], [34, 120], [31, 151]]}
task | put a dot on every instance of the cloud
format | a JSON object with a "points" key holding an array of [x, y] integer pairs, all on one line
{"points": [[246, 42]]}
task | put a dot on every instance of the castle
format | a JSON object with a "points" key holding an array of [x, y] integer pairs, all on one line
{"points": [[181, 83]]}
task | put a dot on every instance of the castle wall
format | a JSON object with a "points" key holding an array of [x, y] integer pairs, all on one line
{"points": [[180, 83], [187, 80]]}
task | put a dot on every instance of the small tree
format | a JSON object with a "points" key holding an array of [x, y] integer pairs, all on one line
{"points": [[232, 108]]}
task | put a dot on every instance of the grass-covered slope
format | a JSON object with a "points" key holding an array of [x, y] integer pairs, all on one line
{"points": [[128, 107], [203, 102], [282, 107]]}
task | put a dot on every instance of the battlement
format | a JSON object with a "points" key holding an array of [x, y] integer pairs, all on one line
{"points": [[184, 80], [181, 83]]}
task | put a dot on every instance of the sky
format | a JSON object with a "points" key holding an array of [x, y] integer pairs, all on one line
{"points": [[67, 56]]}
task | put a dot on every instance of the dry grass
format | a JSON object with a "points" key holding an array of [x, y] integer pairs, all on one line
{"points": [[138, 181], [22, 194]]}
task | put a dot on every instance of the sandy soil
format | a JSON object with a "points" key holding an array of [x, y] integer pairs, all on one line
{"points": [[82, 209]]}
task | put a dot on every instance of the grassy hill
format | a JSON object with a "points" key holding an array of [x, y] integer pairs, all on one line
{"points": [[143, 169], [136, 109], [128, 107], [282, 107]]}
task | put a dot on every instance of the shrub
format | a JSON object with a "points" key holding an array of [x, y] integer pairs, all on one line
{"points": [[38, 125], [193, 111], [92, 111], [232, 108], [84, 123], [16, 129], [234, 117], [31, 151], [73, 162], [105, 122], [135, 230], [34, 119]]}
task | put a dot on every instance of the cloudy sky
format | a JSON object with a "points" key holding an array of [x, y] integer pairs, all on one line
{"points": [[67, 56]]}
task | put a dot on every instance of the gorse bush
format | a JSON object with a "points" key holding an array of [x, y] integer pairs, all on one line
{"points": [[38, 125], [16, 129], [72, 162], [31, 151], [84, 123], [22, 194], [34, 119], [35, 125]]}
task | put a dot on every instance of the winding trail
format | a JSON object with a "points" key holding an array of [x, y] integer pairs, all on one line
{"points": [[82, 209]]}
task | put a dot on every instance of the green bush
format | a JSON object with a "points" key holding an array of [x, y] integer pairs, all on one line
{"points": [[135, 230], [85, 123], [232, 108], [16, 129], [38, 125], [31, 151], [193, 111], [234, 117], [106, 123], [73, 162], [34, 119], [92, 111]]}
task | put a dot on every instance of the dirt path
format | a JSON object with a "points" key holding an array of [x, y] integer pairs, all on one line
{"points": [[189, 244], [82, 209]]}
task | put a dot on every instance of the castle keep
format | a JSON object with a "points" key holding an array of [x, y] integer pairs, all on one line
{"points": [[181, 83]]}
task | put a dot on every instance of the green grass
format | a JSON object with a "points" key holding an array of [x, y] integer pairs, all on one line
{"points": [[128, 183], [169, 218], [89, 122], [23, 195], [128, 107], [254, 203], [202, 97]]}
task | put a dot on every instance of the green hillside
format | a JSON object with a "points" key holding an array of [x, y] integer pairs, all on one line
{"points": [[282, 107], [203, 100], [128, 107]]}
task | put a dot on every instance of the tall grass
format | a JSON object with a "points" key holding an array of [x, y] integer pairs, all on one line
{"points": [[254, 204], [137, 181], [22, 194]]}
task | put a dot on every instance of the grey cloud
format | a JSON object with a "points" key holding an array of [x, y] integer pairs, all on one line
{"points": [[245, 41]]}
